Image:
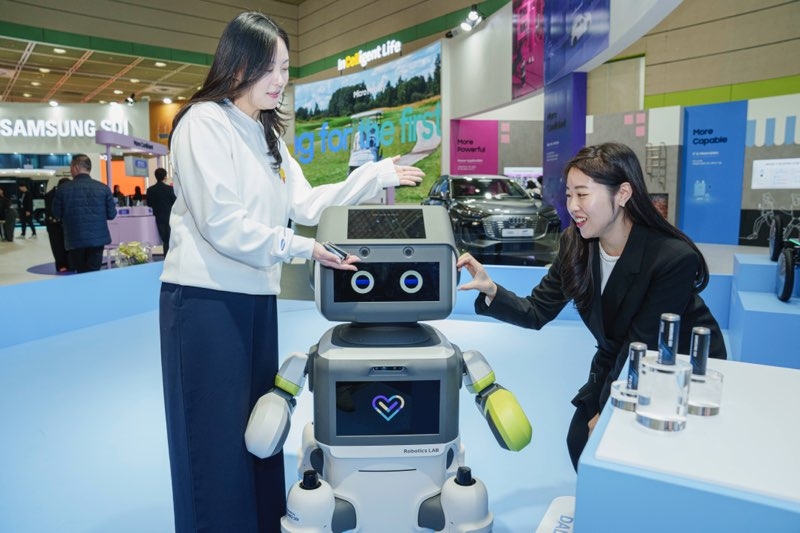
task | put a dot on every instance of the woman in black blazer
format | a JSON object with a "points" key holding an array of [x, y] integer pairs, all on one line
{"points": [[621, 263]]}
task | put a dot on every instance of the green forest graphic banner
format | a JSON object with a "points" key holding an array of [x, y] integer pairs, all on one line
{"points": [[393, 109]]}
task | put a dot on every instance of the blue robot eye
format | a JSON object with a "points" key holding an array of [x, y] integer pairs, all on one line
{"points": [[411, 281], [362, 282]]}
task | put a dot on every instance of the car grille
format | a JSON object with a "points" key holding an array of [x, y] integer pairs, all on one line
{"points": [[493, 226]]}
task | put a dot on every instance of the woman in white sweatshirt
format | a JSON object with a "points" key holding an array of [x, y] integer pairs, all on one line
{"points": [[237, 187]]}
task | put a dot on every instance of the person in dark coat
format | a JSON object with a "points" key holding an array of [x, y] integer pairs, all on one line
{"points": [[137, 198], [84, 206], [622, 264], [8, 217], [25, 202], [160, 198], [55, 231], [120, 198]]}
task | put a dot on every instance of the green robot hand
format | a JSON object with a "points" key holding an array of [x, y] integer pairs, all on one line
{"points": [[498, 406], [505, 417]]}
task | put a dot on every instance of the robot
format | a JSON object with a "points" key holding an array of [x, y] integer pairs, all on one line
{"points": [[383, 451]]}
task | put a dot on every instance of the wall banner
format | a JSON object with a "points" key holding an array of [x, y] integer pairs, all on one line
{"points": [[473, 147], [712, 167], [575, 32], [564, 135], [392, 109], [527, 47]]}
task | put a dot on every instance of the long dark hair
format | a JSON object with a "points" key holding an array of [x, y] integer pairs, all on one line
{"points": [[244, 54], [611, 165]]}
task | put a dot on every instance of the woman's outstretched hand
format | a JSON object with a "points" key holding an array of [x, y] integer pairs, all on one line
{"points": [[408, 175], [331, 260], [480, 278]]}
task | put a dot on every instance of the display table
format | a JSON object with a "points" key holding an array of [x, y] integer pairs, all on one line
{"points": [[760, 324], [135, 223], [737, 471]]}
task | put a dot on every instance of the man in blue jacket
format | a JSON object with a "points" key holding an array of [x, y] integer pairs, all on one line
{"points": [[84, 206]]}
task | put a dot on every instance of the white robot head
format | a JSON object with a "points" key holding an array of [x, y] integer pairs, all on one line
{"points": [[407, 271]]}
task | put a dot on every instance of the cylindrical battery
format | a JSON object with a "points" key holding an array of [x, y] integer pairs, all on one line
{"points": [[668, 338], [636, 351], [701, 343]]}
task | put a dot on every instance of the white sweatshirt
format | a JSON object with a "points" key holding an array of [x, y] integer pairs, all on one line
{"points": [[229, 222]]}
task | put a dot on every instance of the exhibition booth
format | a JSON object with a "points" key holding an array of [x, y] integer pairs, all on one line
{"points": [[104, 133], [82, 399]]}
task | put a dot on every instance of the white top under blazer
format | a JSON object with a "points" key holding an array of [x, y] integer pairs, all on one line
{"points": [[229, 221]]}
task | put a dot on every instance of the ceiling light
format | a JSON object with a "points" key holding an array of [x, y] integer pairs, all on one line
{"points": [[102, 102], [134, 80], [474, 17], [117, 91], [167, 100], [53, 103], [181, 98], [59, 50], [27, 95], [35, 83], [44, 70], [160, 64]]}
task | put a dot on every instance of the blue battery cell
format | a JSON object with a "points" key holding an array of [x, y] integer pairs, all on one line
{"points": [[636, 351], [701, 344], [668, 338]]}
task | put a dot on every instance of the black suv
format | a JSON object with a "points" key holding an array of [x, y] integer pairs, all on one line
{"points": [[496, 220]]}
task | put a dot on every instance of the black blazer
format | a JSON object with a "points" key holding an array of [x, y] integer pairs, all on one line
{"points": [[160, 198], [26, 202], [654, 275]]}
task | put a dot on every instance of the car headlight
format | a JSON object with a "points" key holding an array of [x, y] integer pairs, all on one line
{"points": [[468, 215]]}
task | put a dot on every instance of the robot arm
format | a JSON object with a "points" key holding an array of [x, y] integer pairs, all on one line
{"points": [[498, 406], [269, 421]]}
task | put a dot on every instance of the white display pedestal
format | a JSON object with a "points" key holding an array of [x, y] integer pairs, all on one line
{"points": [[736, 471]]}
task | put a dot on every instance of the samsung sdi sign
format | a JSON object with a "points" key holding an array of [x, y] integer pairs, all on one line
{"points": [[71, 128], [30, 127]]}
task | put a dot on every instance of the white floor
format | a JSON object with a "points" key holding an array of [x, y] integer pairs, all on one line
{"points": [[83, 447]]}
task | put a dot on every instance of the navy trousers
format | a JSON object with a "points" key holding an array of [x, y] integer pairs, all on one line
{"points": [[578, 433], [219, 354]]}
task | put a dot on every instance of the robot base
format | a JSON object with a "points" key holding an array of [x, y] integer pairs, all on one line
{"points": [[366, 489]]}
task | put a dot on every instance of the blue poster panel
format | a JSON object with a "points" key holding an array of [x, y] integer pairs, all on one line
{"points": [[575, 32], [712, 167], [564, 135]]}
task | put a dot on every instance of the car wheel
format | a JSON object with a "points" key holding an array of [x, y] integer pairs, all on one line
{"points": [[775, 238], [39, 217], [784, 282]]}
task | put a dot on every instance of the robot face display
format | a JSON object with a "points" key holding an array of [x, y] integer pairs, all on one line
{"points": [[388, 282], [406, 271]]}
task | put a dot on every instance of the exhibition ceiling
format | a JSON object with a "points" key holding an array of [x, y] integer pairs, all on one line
{"points": [[39, 72]]}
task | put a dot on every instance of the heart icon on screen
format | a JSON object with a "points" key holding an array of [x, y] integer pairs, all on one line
{"points": [[388, 407]]}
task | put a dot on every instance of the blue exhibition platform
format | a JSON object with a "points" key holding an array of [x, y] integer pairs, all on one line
{"points": [[81, 405]]}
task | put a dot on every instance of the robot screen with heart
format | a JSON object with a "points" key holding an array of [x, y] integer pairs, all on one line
{"points": [[375, 408]]}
